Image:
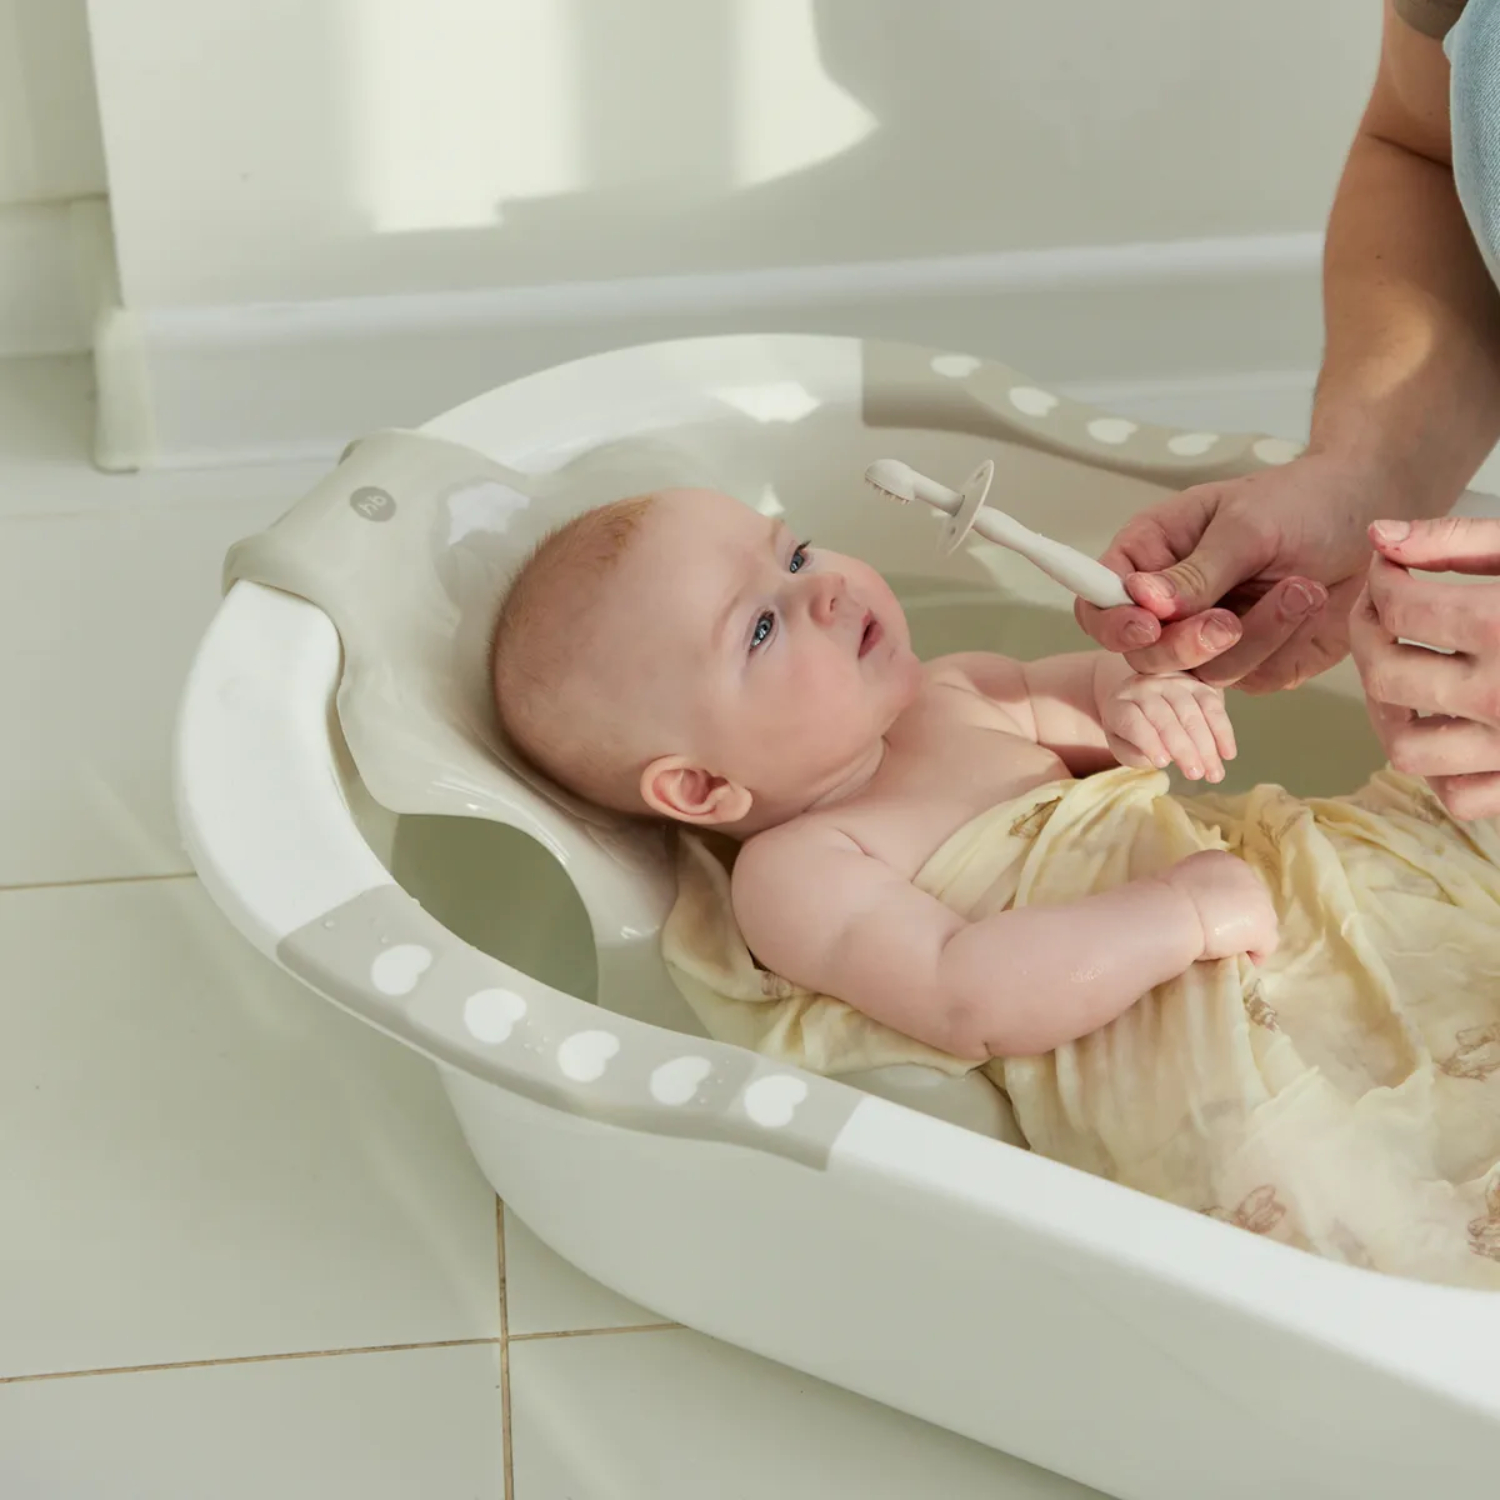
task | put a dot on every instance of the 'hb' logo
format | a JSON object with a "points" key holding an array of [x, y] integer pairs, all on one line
{"points": [[372, 503]]}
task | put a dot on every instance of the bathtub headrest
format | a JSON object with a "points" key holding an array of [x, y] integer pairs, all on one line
{"points": [[408, 546]]}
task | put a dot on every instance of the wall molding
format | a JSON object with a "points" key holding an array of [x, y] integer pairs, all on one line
{"points": [[207, 386]]}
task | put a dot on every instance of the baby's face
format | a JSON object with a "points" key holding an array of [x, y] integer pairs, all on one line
{"points": [[764, 660]]}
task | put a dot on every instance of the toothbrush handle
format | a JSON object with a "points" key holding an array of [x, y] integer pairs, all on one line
{"points": [[1074, 570]]}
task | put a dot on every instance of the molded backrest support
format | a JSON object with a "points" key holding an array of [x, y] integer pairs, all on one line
{"points": [[407, 546]]}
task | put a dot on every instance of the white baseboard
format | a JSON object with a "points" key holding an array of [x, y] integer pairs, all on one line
{"points": [[44, 308], [206, 386]]}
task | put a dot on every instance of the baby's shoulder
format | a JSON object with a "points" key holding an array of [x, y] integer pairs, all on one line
{"points": [[984, 672], [983, 675], [783, 854], [790, 869]]}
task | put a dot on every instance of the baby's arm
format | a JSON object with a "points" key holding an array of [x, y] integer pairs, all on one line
{"points": [[816, 909], [1057, 700], [1092, 711]]}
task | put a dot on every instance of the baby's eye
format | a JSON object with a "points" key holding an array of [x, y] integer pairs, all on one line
{"points": [[762, 631], [799, 556]]}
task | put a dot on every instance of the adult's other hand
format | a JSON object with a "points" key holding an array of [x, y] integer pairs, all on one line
{"points": [[1438, 716]]}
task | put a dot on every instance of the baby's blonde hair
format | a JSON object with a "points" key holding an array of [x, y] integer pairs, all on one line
{"points": [[546, 701]]}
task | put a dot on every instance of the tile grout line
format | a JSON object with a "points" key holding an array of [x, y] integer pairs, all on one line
{"points": [[591, 1333], [507, 1450], [96, 880], [244, 1359], [505, 1339]]}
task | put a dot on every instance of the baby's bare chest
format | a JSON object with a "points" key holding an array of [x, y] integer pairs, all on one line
{"points": [[951, 757]]}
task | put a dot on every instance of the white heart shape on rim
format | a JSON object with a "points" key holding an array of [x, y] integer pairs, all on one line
{"points": [[491, 1015], [397, 970], [954, 366], [1191, 444], [1112, 430], [586, 1054], [1031, 402], [1271, 450], [771, 1102], [676, 1082]]}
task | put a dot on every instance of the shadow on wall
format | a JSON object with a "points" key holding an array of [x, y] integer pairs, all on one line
{"points": [[50, 147], [831, 129], [364, 147]]}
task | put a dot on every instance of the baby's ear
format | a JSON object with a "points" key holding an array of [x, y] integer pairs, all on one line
{"points": [[687, 793]]}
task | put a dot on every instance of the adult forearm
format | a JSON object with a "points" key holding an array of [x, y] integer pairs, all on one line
{"points": [[1410, 387]]}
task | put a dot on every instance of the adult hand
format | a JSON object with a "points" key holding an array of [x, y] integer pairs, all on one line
{"points": [[1456, 746], [1244, 582]]}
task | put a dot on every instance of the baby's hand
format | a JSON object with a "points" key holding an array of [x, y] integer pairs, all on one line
{"points": [[1233, 905], [1156, 721]]}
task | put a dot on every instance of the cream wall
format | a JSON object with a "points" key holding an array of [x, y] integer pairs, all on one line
{"points": [[50, 149], [51, 156], [285, 150]]}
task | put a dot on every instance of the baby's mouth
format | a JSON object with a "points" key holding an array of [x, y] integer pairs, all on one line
{"points": [[870, 636]]}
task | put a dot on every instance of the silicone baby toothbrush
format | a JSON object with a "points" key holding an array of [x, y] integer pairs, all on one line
{"points": [[1075, 570]]}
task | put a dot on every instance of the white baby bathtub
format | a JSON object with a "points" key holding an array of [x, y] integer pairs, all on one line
{"points": [[1136, 1347]]}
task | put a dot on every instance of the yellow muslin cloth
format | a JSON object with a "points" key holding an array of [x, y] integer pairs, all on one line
{"points": [[1343, 1098]]}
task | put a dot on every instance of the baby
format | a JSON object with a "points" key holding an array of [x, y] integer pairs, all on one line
{"points": [[681, 655], [978, 863]]}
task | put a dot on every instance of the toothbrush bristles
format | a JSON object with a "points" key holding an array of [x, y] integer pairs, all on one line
{"points": [[880, 489]]}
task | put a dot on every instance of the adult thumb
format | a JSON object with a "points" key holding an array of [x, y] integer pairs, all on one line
{"points": [[1225, 556]]}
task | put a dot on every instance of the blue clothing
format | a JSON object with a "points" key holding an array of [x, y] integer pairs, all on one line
{"points": [[1473, 48]]}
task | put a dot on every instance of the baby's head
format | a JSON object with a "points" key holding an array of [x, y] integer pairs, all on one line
{"points": [[680, 654]]}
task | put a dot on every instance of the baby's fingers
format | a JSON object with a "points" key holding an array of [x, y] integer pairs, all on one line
{"points": [[1219, 725], [1134, 741], [1186, 735], [1193, 704]]}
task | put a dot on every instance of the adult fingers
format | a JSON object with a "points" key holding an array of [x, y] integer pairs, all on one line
{"points": [[1145, 543], [1398, 679], [1122, 629], [1440, 746], [1410, 677], [1468, 798], [1320, 642], [1186, 644], [1401, 676], [1266, 627], [1230, 550], [1387, 721], [1366, 634], [1444, 544], [1452, 616]]}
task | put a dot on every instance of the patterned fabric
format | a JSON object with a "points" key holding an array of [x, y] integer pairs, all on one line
{"points": [[1344, 1098]]}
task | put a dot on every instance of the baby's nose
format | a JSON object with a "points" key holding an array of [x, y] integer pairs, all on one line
{"points": [[827, 595]]}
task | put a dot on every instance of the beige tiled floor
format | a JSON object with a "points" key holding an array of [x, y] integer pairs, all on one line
{"points": [[243, 1249]]}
